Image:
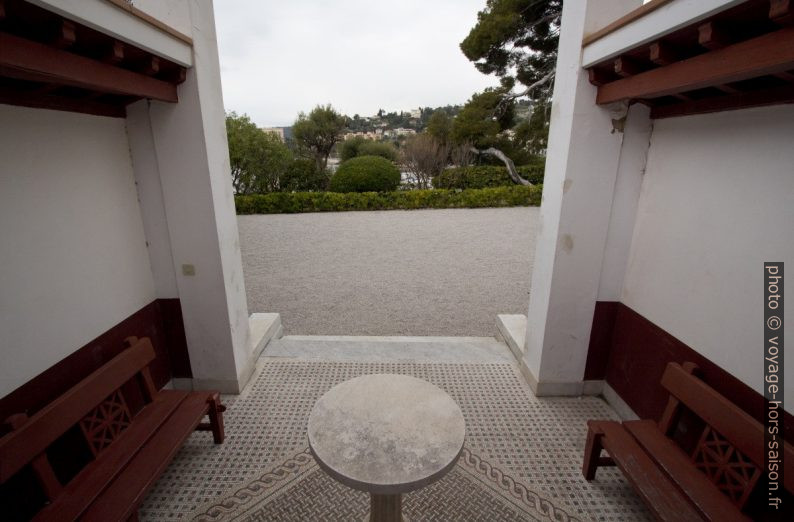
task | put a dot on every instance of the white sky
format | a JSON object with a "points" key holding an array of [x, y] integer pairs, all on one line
{"points": [[280, 57]]}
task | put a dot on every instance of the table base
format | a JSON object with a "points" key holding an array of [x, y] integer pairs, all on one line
{"points": [[385, 508]]}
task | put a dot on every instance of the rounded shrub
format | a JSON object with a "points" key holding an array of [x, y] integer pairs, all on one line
{"points": [[365, 174]]}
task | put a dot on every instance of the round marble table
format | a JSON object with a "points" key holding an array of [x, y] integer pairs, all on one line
{"points": [[387, 435]]}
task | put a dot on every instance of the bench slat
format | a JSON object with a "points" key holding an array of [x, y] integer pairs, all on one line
{"points": [[89, 483], [655, 488], [705, 495], [121, 498], [21, 446], [744, 432]]}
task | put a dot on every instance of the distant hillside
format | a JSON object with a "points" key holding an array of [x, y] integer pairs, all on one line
{"points": [[415, 119], [383, 121]]}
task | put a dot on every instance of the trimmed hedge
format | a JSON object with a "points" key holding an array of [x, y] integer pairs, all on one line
{"points": [[289, 203], [483, 176], [365, 174]]}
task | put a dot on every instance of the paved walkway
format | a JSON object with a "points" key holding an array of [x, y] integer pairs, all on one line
{"points": [[421, 272]]}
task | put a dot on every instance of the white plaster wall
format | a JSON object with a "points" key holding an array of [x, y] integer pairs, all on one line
{"points": [[716, 202], [73, 260]]}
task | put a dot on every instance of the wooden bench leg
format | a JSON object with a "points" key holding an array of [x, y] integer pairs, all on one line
{"points": [[216, 417], [592, 451]]}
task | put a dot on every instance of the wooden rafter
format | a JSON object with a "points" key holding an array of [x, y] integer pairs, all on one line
{"points": [[152, 66], [67, 35], [781, 12], [115, 54], [43, 100], [712, 37], [662, 53], [27, 60], [764, 55], [626, 67], [762, 98]]}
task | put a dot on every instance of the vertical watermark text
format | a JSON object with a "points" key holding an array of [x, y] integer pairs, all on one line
{"points": [[773, 382]]}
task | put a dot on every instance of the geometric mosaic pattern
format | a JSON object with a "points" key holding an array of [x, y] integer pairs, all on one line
{"points": [[536, 441], [732, 472], [298, 490], [105, 422]]}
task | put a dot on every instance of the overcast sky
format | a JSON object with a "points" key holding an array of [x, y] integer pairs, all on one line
{"points": [[280, 57]]}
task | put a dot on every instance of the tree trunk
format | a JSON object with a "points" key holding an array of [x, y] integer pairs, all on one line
{"points": [[511, 167]]}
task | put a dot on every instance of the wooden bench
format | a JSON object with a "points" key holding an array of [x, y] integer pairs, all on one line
{"points": [[714, 481], [129, 452]]}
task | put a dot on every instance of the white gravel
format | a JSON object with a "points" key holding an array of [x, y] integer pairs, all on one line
{"points": [[420, 272]]}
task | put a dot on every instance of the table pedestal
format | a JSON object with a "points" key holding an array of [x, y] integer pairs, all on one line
{"points": [[385, 508], [357, 434]]}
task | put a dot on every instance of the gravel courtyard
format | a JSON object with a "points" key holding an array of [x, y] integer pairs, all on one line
{"points": [[422, 272]]}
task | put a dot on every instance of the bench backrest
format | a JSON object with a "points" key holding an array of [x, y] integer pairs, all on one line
{"points": [[94, 403], [730, 450]]}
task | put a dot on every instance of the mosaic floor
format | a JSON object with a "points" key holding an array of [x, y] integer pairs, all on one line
{"points": [[539, 442]]}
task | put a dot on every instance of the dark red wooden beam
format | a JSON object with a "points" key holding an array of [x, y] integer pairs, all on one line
{"points": [[33, 61], [785, 76], [44, 100], [765, 55], [773, 96]]}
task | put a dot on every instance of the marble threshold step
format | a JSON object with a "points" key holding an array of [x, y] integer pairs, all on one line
{"points": [[343, 348]]}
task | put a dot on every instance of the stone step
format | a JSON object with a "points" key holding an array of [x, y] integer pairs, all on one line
{"points": [[513, 329], [477, 350], [264, 328]]}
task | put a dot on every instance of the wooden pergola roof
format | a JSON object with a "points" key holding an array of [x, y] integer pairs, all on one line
{"points": [[741, 57], [51, 62]]}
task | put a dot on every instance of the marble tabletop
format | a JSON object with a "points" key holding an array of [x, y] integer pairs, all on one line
{"points": [[386, 434]]}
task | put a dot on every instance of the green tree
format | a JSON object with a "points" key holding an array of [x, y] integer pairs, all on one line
{"points": [[482, 118], [378, 148], [258, 159], [358, 146], [318, 132], [348, 149], [532, 134], [517, 41], [440, 126], [302, 176]]}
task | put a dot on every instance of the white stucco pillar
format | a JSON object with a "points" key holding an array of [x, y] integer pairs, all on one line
{"points": [[184, 146], [582, 162]]}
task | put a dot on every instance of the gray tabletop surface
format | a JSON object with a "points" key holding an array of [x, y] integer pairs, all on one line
{"points": [[386, 434]]}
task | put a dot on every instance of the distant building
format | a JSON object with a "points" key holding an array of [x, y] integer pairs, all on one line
{"points": [[278, 131], [416, 113]]}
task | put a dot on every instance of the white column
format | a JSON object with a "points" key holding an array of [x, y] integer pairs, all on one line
{"points": [[581, 166], [194, 212]]}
